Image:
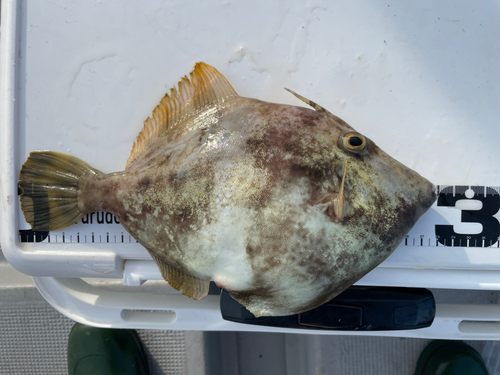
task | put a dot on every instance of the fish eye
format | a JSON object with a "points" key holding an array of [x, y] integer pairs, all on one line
{"points": [[353, 142]]}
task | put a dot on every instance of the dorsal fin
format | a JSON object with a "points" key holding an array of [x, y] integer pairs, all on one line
{"points": [[205, 87], [316, 106]]}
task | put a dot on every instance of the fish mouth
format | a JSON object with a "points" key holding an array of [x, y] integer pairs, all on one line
{"points": [[433, 194], [428, 197]]}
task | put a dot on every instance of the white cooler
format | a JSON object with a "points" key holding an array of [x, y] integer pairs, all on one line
{"points": [[419, 79]]}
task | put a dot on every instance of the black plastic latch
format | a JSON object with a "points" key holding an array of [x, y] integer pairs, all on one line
{"points": [[356, 309]]}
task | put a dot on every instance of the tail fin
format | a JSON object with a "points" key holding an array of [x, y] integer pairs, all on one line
{"points": [[48, 185]]}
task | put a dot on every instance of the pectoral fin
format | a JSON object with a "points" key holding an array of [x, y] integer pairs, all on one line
{"points": [[338, 208], [338, 203], [191, 286]]}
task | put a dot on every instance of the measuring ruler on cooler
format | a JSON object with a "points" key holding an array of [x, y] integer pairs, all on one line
{"points": [[463, 216], [484, 213], [96, 227]]}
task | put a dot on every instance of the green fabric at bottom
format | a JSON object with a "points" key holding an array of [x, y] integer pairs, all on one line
{"points": [[450, 358], [103, 351]]}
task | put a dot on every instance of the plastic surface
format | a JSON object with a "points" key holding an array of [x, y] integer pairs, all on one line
{"points": [[491, 355], [81, 79], [162, 308]]}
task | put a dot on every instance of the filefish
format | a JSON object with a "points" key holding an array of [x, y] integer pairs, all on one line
{"points": [[283, 206]]}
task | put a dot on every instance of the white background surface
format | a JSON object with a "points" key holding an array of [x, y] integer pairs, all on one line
{"points": [[418, 77]]}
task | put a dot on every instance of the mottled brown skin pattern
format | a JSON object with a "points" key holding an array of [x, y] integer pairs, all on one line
{"points": [[234, 194]]}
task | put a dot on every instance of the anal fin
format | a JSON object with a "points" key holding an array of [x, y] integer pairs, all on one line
{"points": [[191, 286]]}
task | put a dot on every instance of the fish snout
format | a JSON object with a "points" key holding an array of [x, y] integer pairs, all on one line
{"points": [[434, 193], [431, 194], [426, 197]]}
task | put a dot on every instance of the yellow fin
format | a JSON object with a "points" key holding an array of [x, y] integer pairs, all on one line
{"points": [[205, 87], [339, 205], [191, 286], [317, 107], [49, 188]]}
